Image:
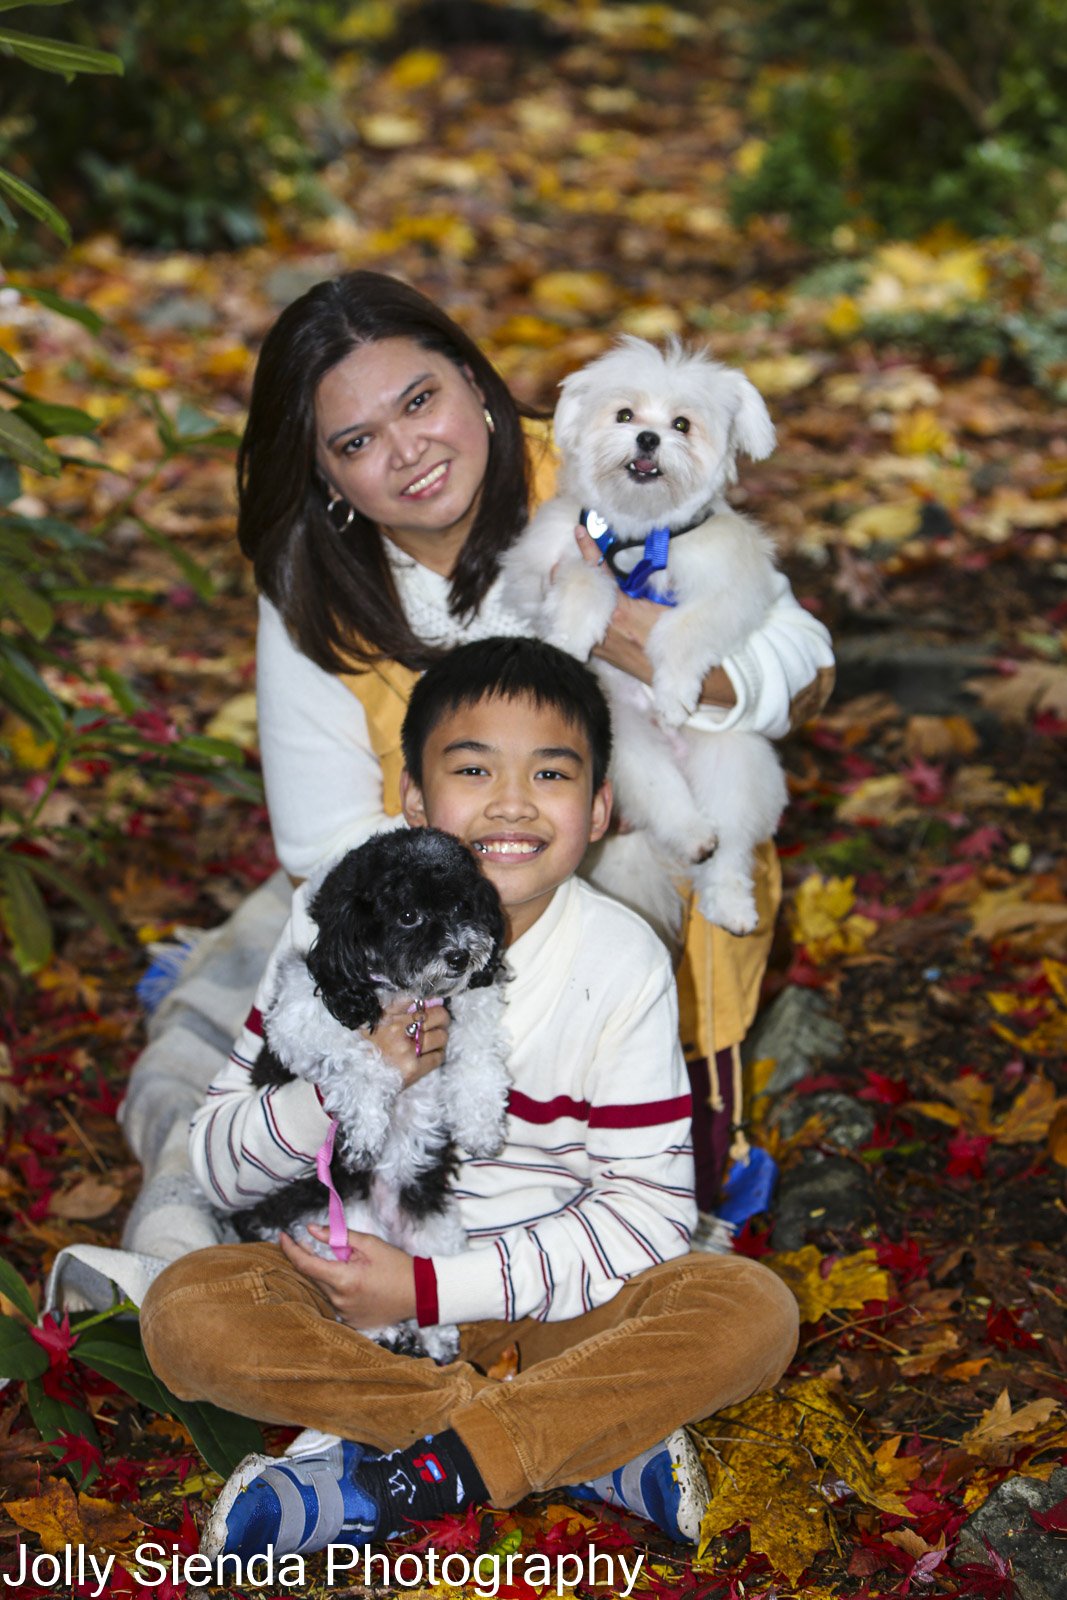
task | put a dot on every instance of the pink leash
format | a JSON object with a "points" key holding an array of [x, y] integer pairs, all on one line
{"points": [[338, 1226]]}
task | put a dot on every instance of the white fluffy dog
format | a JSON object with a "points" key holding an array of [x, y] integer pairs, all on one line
{"points": [[649, 441]]}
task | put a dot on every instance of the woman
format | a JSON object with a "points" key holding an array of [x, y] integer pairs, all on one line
{"points": [[383, 472]]}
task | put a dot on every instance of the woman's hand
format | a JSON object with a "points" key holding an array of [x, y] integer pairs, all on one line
{"points": [[375, 1286], [624, 644], [413, 1052]]}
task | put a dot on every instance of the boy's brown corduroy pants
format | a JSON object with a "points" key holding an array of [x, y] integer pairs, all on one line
{"points": [[238, 1325]]}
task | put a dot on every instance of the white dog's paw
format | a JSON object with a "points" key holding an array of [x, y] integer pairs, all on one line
{"points": [[730, 905], [670, 707]]}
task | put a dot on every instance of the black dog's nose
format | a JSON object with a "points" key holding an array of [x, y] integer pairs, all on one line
{"points": [[456, 960], [648, 442]]}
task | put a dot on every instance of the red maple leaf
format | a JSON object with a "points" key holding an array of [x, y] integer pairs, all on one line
{"points": [[979, 845], [904, 1259], [967, 1154], [56, 1338], [1054, 1520], [447, 1534], [927, 781], [1004, 1329], [884, 1091], [78, 1452], [752, 1242]]}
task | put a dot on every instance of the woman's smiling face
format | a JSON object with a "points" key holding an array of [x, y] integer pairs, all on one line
{"points": [[402, 436]]}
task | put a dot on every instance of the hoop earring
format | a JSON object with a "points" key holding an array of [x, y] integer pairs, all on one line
{"points": [[332, 503], [488, 415]]}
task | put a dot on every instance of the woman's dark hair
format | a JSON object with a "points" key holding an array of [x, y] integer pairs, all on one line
{"points": [[508, 669], [334, 590]]}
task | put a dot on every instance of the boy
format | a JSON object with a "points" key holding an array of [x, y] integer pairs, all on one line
{"points": [[578, 1230]]}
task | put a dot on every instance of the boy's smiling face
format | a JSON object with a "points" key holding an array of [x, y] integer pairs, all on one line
{"points": [[514, 781]]}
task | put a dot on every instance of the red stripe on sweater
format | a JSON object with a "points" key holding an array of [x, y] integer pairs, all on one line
{"points": [[649, 1115], [254, 1022], [426, 1312]]}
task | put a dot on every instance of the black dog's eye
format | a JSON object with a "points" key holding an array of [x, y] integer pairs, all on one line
{"points": [[410, 919], [625, 415], [681, 423]]}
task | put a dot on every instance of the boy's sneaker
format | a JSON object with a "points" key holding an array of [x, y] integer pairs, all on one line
{"points": [[666, 1484], [294, 1506]]}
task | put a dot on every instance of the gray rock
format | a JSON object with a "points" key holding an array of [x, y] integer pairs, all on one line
{"points": [[182, 313], [797, 1030], [820, 1193], [1039, 1559], [849, 1123], [287, 283], [920, 676]]}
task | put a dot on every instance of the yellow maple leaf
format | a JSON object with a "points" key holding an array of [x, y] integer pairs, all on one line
{"points": [[767, 1460], [892, 523], [823, 919], [417, 69], [29, 752], [590, 293], [843, 318], [1031, 795], [848, 1284], [921, 434]]}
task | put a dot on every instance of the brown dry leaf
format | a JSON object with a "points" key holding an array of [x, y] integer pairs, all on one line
{"points": [[964, 1371], [888, 798], [91, 1198], [908, 1540], [782, 374], [236, 720], [1000, 1423], [977, 786], [934, 1344], [849, 1284], [997, 912], [1033, 687], [884, 524], [767, 1460], [104, 1522], [935, 737], [1057, 1138], [896, 1471], [1031, 1114], [51, 1515]]}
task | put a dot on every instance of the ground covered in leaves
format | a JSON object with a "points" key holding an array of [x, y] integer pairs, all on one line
{"points": [[551, 196]]}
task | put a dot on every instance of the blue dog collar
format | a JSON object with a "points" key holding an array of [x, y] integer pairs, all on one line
{"points": [[635, 583]]}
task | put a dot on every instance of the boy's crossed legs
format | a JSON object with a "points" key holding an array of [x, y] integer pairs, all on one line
{"points": [[238, 1325]]}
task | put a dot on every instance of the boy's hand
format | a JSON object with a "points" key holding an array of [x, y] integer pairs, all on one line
{"points": [[375, 1286], [412, 1053]]}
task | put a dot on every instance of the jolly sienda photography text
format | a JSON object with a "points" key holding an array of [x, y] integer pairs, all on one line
{"points": [[154, 1565]]}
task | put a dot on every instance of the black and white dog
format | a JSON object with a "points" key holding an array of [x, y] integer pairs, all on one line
{"points": [[407, 913]]}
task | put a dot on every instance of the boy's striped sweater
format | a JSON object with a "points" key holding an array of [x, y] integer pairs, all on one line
{"points": [[595, 1179]]}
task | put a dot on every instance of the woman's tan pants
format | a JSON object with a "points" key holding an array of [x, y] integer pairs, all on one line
{"points": [[237, 1325]]}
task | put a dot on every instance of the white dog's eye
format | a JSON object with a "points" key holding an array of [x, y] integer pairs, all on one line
{"points": [[625, 415], [410, 919], [681, 423]]}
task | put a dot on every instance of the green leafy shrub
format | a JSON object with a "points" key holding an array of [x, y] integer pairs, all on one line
{"points": [[47, 565], [907, 117], [220, 103], [47, 579]]}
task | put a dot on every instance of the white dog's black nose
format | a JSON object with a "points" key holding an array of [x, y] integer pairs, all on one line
{"points": [[456, 960], [647, 441]]}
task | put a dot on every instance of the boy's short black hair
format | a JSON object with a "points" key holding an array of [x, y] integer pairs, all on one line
{"points": [[508, 669]]}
